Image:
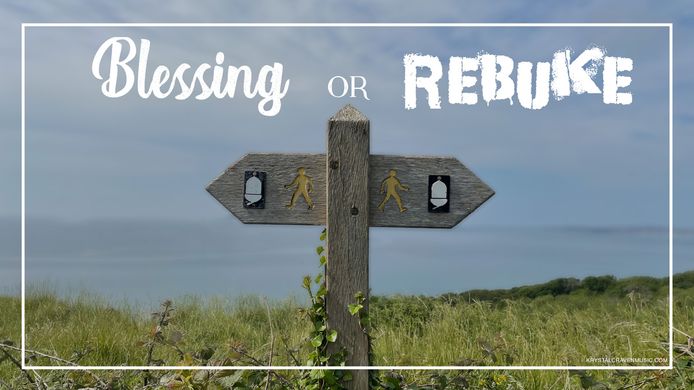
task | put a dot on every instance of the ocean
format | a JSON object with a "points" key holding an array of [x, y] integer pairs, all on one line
{"points": [[147, 261]]}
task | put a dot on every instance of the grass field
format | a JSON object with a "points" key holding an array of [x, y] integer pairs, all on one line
{"points": [[626, 320]]}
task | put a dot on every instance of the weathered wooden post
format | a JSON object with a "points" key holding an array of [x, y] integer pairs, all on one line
{"points": [[348, 190], [347, 270]]}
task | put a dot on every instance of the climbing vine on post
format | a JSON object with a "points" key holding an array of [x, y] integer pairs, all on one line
{"points": [[321, 336]]}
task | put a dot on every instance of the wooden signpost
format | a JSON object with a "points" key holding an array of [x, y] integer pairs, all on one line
{"points": [[348, 190]]}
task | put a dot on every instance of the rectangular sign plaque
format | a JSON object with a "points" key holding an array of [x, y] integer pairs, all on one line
{"points": [[254, 190], [439, 194]]}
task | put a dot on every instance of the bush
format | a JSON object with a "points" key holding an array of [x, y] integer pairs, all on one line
{"points": [[598, 284]]}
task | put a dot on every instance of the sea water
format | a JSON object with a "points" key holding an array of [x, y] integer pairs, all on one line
{"points": [[154, 261]]}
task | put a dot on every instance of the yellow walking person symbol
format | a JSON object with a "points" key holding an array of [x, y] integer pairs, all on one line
{"points": [[304, 186], [390, 186]]}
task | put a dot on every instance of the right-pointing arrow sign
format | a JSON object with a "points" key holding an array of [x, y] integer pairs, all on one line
{"points": [[457, 191]]}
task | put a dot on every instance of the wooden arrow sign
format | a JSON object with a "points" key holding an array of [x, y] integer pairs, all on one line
{"points": [[280, 170], [466, 192]]}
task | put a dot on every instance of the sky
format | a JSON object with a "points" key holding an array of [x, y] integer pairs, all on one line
{"points": [[576, 162]]}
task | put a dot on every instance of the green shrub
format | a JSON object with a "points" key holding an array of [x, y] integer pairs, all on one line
{"points": [[598, 284]]}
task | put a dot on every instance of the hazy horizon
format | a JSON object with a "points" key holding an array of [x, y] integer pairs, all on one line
{"points": [[155, 259]]}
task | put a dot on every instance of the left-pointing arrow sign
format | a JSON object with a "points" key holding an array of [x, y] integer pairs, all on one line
{"points": [[293, 189]]}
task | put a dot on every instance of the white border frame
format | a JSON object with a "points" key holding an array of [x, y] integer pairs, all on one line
{"points": [[320, 25]]}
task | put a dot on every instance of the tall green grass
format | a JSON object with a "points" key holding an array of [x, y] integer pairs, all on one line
{"points": [[114, 334], [561, 330], [554, 331], [565, 329]]}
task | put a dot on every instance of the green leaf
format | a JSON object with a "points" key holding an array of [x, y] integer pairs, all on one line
{"points": [[312, 356], [317, 340], [323, 234], [205, 353], [317, 374], [318, 278], [307, 282], [320, 249], [323, 260], [321, 291], [354, 308], [332, 335]]}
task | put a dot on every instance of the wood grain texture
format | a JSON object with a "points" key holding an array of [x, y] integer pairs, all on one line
{"points": [[348, 233], [467, 191], [228, 187]]}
